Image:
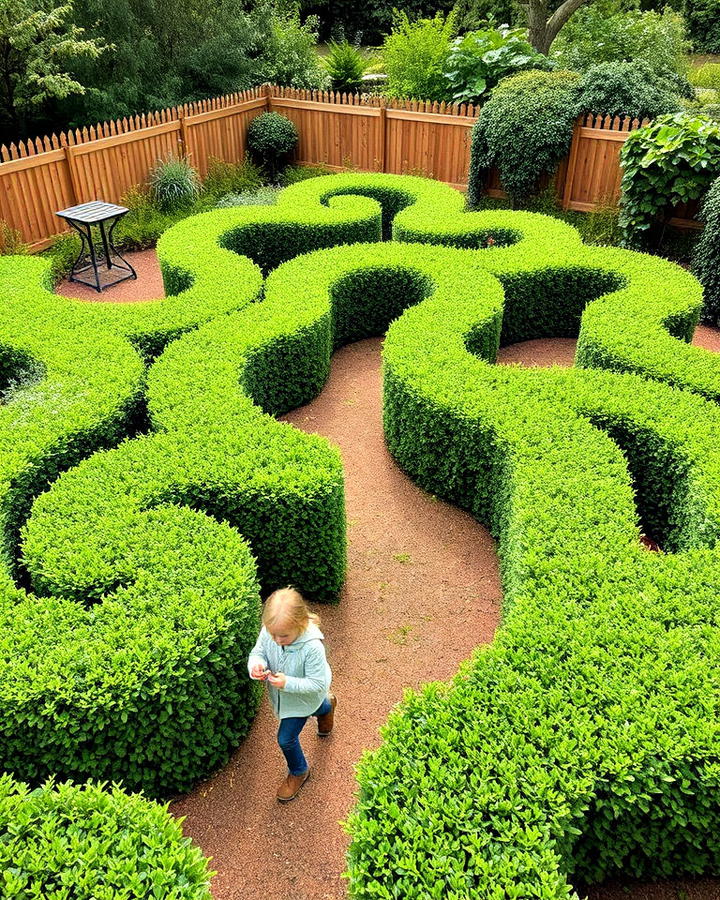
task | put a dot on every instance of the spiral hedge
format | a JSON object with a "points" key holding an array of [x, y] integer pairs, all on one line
{"points": [[581, 742]]}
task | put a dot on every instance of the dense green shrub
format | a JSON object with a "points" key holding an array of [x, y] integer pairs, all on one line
{"points": [[345, 64], [271, 139], [11, 242], [478, 60], [703, 22], [625, 89], [231, 177], [415, 56], [90, 842], [174, 184], [669, 161], [706, 258], [706, 76], [525, 129], [601, 32], [287, 53]]}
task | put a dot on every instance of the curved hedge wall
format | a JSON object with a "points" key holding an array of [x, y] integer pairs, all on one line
{"points": [[145, 596]]}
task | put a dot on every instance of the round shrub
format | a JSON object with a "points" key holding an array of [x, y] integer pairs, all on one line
{"points": [[174, 183], [525, 129], [706, 258], [271, 139], [625, 89], [93, 842]]}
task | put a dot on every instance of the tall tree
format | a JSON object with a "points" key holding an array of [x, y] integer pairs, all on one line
{"points": [[37, 47], [544, 23]]}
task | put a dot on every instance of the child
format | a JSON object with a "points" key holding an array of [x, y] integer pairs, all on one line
{"points": [[290, 657]]}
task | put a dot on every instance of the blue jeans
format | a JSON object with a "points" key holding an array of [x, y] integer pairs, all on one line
{"points": [[289, 738]]}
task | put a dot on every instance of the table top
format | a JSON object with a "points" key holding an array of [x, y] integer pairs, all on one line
{"points": [[94, 211]]}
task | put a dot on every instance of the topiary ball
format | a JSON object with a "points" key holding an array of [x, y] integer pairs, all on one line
{"points": [[271, 139]]}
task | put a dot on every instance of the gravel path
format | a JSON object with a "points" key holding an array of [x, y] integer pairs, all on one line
{"points": [[423, 590]]}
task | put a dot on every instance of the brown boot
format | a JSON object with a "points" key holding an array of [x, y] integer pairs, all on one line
{"points": [[326, 722], [290, 787]]}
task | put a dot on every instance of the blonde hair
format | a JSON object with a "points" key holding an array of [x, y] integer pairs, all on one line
{"points": [[288, 605]]}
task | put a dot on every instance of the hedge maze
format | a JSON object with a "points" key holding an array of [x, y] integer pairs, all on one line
{"points": [[148, 491]]}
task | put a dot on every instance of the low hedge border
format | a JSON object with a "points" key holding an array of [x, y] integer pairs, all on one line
{"points": [[52, 838]]}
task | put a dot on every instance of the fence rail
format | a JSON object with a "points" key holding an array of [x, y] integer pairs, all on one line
{"points": [[338, 131]]}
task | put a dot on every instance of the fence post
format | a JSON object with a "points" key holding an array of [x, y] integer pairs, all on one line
{"points": [[182, 134], [572, 163], [72, 171], [383, 131], [268, 97]]}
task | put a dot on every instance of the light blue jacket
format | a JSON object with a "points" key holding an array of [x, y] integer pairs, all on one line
{"points": [[305, 666]]}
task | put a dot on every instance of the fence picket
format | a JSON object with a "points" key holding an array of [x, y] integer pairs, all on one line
{"points": [[374, 132]]}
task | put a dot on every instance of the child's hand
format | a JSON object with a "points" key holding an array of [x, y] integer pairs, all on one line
{"points": [[258, 672], [278, 680]]}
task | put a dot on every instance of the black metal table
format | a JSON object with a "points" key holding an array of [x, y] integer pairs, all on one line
{"points": [[92, 257]]}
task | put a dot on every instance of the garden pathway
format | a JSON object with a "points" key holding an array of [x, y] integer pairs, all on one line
{"points": [[423, 590]]}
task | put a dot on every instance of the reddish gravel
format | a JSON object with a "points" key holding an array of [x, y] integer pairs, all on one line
{"points": [[147, 286], [423, 590]]}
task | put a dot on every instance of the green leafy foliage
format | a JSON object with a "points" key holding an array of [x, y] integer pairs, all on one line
{"points": [[11, 241], [603, 32], [174, 184], [525, 129], [61, 834], [703, 22], [230, 177], [478, 60], [626, 89], [706, 76], [416, 54], [39, 43], [706, 257], [271, 138], [345, 64], [670, 161], [288, 54]]}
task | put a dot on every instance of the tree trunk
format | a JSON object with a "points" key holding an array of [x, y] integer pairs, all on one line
{"points": [[543, 31]]}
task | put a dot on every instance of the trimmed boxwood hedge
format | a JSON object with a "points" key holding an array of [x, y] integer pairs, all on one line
{"points": [[537, 763], [89, 841]]}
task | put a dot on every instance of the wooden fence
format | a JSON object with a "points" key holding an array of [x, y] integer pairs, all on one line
{"points": [[369, 133]]}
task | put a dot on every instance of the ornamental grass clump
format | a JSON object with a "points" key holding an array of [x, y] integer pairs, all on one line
{"points": [[174, 183]]}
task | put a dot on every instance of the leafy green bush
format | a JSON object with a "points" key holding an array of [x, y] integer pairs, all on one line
{"points": [[706, 258], [669, 161], [230, 178], [415, 55], [706, 76], [625, 89], [271, 138], [11, 242], [525, 129], [345, 65], [478, 60], [174, 184], [602, 32], [703, 22], [65, 834], [288, 55]]}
